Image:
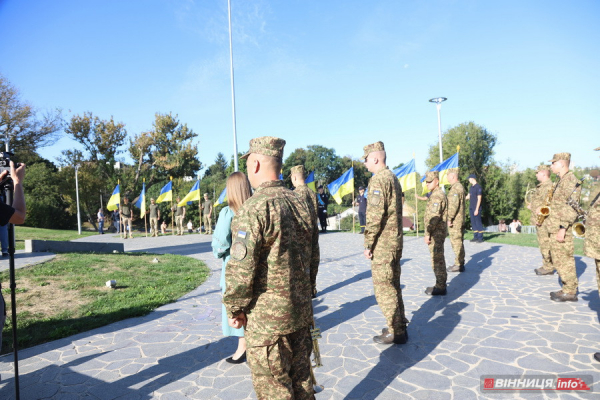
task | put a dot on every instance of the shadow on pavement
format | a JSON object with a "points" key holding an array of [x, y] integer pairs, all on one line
{"points": [[140, 385], [425, 332], [127, 319]]}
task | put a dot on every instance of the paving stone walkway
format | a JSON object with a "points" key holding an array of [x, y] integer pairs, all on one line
{"points": [[497, 319]]}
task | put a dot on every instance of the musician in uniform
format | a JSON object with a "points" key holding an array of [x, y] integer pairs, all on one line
{"points": [[558, 224], [435, 232], [322, 202], [310, 199], [268, 278], [383, 243], [544, 188], [591, 246], [456, 220]]}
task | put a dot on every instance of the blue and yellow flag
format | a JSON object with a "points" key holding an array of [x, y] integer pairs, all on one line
{"points": [[166, 193], [342, 186], [222, 197], [407, 175], [443, 168], [193, 195], [141, 203], [115, 199], [310, 181]]}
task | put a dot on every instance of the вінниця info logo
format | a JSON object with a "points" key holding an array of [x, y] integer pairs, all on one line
{"points": [[498, 383]]}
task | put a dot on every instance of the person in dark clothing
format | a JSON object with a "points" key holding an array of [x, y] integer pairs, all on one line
{"points": [[475, 198], [322, 201], [361, 202]]}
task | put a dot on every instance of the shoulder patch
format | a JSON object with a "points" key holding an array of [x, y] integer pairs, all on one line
{"points": [[374, 197], [238, 251], [241, 234]]}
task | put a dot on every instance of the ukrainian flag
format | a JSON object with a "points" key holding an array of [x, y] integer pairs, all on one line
{"points": [[193, 195], [310, 181], [166, 193], [443, 168], [141, 203], [115, 199], [222, 197], [342, 186], [407, 175]]}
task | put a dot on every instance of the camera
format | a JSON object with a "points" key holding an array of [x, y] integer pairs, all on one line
{"points": [[5, 165]]}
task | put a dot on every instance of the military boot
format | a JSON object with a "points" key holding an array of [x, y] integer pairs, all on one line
{"points": [[388, 338], [456, 268], [434, 291], [543, 271], [562, 297]]}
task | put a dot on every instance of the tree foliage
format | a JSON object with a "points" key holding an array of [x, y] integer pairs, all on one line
{"points": [[27, 128]]}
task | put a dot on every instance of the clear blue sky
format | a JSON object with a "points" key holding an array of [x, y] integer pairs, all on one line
{"points": [[341, 74]]}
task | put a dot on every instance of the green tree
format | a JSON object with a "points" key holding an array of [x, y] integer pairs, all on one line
{"points": [[46, 205], [27, 128]]}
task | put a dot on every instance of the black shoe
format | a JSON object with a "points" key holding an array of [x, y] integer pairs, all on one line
{"points": [[456, 268], [388, 338], [4, 254], [240, 360], [314, 293], [433, 291], [597, 356]]}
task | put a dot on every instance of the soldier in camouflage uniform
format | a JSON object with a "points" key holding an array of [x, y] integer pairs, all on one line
{"points": [[558, 224], [591, 246], [268, 278], [435, 232], [541, 194], [456, 220], [383, 242], [310, 198]]}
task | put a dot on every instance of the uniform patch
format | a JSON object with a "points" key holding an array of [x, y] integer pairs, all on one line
{"points": [[241, 234], [455, 194], [375, 197], [238, 251]]}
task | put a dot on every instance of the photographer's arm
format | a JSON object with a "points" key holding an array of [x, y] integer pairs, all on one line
{"points": [[18, 175]]}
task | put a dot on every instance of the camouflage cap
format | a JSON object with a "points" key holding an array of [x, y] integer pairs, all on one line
{"points": [[368, 149], [454, 170], [431, 175], [298, 169], [267, 146], [561, 156], [543, 167]]}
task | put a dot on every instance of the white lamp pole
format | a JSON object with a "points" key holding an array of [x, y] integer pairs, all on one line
{"points": [[77, 194], [235, 148], [438, 102]]}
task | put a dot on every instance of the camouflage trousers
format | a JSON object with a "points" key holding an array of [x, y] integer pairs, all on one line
{"points": [[126, 222], [598, 273], [154, 226], [385, 269], [282, 370], [457, 235], [564, 261], [438, 262], [544, 243], [207, 224], [179, 224]]}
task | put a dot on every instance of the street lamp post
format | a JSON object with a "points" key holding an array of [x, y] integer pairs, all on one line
{"points": [[438, 102], [77, 195]]}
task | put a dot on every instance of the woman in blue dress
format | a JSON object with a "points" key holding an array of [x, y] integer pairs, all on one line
{"points": [[238, 191]]}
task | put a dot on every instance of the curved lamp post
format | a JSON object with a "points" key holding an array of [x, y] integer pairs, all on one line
{"points": [[438, 102]]}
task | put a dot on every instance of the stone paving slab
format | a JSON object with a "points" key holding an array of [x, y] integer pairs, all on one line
{"points": [[497, 319]]}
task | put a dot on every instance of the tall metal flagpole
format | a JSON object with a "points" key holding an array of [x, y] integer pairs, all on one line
{"points": [[438, 102], [235, 148], [416, 204], [77, 195]]}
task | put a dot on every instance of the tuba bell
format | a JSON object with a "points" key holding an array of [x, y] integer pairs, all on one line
{"points": [[578, 229]]}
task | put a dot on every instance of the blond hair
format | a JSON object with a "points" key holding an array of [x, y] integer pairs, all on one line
{"points": [[238, 190]]}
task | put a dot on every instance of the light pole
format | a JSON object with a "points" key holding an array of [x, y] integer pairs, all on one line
{"points": [[77, 195], [438, 102], [235, 151]]}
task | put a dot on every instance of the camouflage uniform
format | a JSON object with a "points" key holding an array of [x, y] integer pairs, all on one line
{"points": [[435, 227], [591, 246], [179, 215], [308, 197], [456, 215], [384, 237], [539, 199], [563, 215], [268, 277]]}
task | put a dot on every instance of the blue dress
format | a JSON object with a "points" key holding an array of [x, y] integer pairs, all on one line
{"points": [[221, 243]]}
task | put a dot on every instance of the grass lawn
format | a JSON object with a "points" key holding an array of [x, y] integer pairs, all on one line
{"points": [[68, 295], [23, 233], [523, 239]]}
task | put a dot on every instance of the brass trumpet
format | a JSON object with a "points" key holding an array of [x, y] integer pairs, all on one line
{"points": [[578, 228]]}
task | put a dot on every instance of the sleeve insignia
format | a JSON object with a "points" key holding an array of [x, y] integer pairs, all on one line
{"points": [[241, 234], [375, 198], [238, 251]]}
